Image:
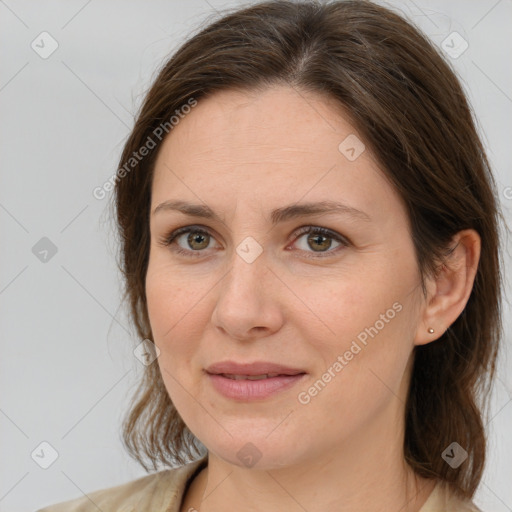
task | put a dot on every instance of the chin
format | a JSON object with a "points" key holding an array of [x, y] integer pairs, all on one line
{"points": [[259, 453]]}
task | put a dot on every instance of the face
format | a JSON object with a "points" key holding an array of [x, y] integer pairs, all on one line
{"points": [[334, 295]]}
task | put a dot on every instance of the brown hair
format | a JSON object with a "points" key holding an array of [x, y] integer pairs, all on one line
{"points": [[410, 109]]}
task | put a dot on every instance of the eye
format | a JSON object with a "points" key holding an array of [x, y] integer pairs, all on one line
{"points": [[192, 241], [320, 240], [193, 244]]}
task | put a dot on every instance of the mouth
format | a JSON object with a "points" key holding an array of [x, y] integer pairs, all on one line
{"points": [[256, 377], [258, 369], [258, 380], [246, 388]]}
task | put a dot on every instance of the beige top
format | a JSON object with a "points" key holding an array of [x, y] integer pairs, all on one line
{"points": [[163, 492]]}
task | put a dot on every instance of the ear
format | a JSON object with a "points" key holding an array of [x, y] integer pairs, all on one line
{"points": [[449, 291]]}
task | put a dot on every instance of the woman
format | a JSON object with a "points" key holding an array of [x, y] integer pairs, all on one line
{"points": [[309, 238]]}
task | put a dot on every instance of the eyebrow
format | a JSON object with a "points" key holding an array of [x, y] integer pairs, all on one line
{"points": [[278, 215]]}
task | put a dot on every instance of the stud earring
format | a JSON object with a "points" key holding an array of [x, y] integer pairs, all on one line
{"points": [[430, 330]]}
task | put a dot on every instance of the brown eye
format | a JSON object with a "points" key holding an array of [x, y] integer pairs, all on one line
{"points": [[198, 240], [188, 241], [320, 242]]}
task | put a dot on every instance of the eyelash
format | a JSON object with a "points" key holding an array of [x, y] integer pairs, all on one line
{"points": [[168, 240]]}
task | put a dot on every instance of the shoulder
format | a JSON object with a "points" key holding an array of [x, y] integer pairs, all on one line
{"points": [[157, 492], [442, 499]]}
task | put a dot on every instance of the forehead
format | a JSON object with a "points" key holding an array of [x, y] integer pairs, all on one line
{"points": [[277, 144], [274, 122]]}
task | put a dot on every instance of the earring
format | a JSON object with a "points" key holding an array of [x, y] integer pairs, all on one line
{"points": [[430, 330]]}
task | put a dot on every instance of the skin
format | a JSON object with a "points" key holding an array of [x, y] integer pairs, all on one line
{"points": [[294, 304]]}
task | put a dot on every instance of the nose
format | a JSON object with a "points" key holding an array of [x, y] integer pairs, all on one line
{"points": [[248, 301]]}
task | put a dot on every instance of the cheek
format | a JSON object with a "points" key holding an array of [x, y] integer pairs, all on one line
{"points": [[173, 296], [170, 308], [362, 371], [162, 300], [171, 305], [360, 305], [370, 317]]}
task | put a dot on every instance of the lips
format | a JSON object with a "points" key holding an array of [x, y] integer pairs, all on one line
{"points": [[251, 377], [252, 371], [245, 388]]}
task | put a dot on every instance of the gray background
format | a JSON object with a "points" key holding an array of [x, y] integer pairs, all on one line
{"points": [[67, 369]]}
